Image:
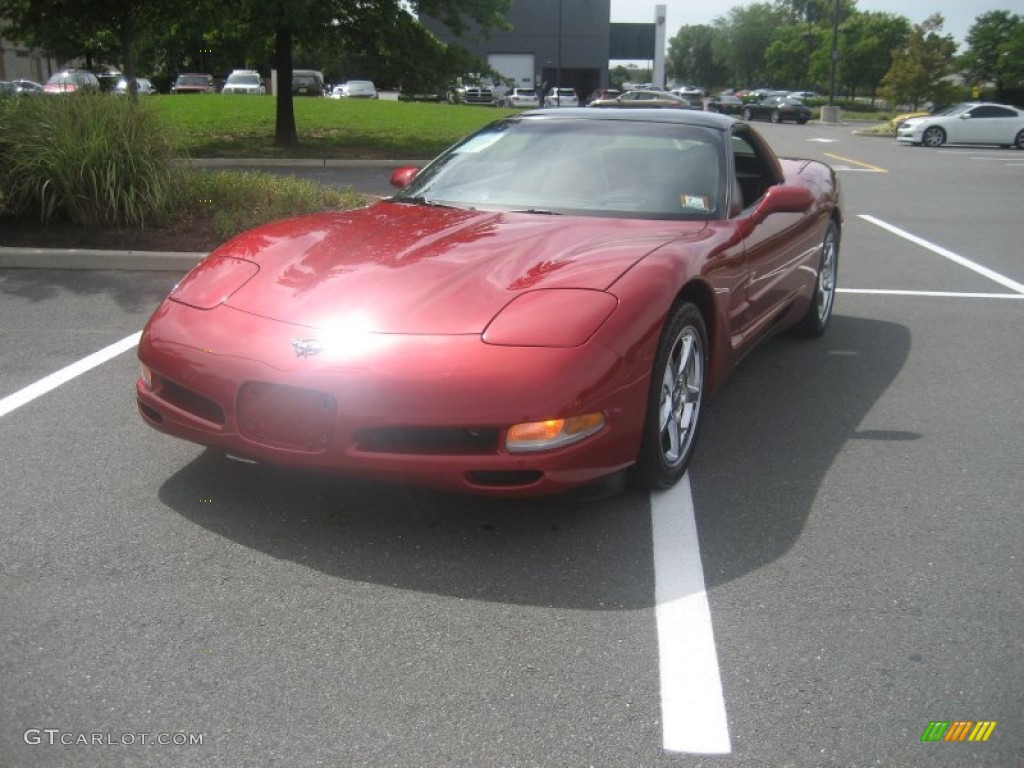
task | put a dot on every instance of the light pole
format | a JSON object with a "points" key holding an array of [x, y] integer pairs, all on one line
{"points": [[558, 75], [835, 57]]}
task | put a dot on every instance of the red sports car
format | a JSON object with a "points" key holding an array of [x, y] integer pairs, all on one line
{"points": [[549, 302]]}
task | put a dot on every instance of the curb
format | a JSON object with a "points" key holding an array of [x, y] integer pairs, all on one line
{"points": [[310, 162], [169, 261], [80, 258]]}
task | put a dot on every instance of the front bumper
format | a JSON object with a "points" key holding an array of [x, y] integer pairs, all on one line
{"points": [[424, 410]]}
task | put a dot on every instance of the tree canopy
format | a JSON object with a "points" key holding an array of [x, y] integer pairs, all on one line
{"points": [[788, 44], [381, 35]]}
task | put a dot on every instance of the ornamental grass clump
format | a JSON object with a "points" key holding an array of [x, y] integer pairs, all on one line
{"points": [[94, 159]]}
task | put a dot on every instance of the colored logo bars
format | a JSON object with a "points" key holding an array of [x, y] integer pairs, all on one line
{"points": [[958, 730]]}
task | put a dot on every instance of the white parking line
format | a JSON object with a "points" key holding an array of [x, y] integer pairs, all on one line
{"points": [[1004, 281], [64, 375], [941, 294], [692, 706]]}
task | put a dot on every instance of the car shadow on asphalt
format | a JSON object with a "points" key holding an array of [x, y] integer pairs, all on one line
{"points": [[769, 440], [774, 432], [132, 291]]}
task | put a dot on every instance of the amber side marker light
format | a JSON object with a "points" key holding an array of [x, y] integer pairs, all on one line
{"points": [[552, 433], [147, 377]]}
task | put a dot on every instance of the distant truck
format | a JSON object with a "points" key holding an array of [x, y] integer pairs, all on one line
{"points": [[470, 94]]}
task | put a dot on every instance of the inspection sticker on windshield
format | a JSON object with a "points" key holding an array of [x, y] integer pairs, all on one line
{"points": [[695, 202]]}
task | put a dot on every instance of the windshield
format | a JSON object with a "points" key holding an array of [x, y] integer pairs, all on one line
{"points": [[193, 80], [244, 79], [590, 167]]}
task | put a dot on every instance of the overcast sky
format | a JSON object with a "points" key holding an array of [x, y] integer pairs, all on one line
{"points": [[959, 14]]}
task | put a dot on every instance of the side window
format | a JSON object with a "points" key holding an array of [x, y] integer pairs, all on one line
{"points": [[991, 111], [752, 177]]}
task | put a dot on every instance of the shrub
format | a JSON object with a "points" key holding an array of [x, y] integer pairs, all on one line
{"points": [[96, 160], [241, 200]]}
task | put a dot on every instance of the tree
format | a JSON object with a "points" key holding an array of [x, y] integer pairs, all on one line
{"points": [[995, 51], [691, 56], [748, 32], [787, 58], [869, 40], [920, 72], [291, 22], [101, 30]]}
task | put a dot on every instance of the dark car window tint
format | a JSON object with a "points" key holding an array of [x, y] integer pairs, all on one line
{"points": [[752, 175], [992, 111]]}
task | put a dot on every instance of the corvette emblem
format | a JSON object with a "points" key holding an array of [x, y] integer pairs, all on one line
{"points": [[306, 347]]}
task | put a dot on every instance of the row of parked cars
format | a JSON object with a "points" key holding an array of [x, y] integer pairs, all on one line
{"points": [[71, 80], [305, 82], [776, 107]]}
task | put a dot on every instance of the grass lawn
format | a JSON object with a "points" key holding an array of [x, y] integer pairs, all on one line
{"points": [[217, 125]]}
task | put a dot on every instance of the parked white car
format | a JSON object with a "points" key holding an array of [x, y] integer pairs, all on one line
{"points": [[967, 123], [356, 89], [519, 98], [561, 97], [145, 86], [244, 81]]}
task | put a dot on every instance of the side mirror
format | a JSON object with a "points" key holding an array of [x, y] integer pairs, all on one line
{"points": [[784, 199], [402, 177]]}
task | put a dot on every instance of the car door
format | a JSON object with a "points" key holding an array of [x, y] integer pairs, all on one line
{"points": [[776, 248], [983, 124]]}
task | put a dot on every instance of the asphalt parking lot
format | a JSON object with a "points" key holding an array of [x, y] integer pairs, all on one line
{"points": [[856, 502]]}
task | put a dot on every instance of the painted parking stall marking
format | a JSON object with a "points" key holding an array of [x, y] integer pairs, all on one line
{"points": [[64, 375], [858, 165], [991, 274], [692, 705], [937, 294]]}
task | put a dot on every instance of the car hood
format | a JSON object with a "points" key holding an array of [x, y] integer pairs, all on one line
{"points": [[403, 268]]}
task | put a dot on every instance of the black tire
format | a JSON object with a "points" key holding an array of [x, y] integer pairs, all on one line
{"points": [[1019, 141], [674, 399], [776, 116], [933, 137], [814, 323], [803, 121], [748, 115]]}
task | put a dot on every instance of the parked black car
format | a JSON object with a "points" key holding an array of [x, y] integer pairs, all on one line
{"points": [[778, 109], [725, 103]]}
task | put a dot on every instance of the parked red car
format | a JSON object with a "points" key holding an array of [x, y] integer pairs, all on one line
{"points": [[194, 82], [548, 302]]}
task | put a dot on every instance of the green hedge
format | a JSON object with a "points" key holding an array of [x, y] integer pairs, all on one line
{"points": [[96, 160]]}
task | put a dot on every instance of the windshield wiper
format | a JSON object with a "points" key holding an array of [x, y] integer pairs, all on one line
{"points": [[420, 200]]}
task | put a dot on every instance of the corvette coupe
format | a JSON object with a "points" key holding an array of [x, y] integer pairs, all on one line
{"points": [[549, 302]]}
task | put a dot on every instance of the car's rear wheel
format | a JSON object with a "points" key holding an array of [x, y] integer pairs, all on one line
{"points": [[776, 116], [748, 115], [674, 399], [819, 313], [1019, 141], [933, 137]]}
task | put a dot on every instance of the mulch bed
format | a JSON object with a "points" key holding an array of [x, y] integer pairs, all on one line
{"points": [[198, 235]]}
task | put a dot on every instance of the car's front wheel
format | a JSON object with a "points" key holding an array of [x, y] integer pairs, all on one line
{"points": [[819, 312], [748, 115], [674, 399], [933, 137], [1019, 141], [776, 116]]}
